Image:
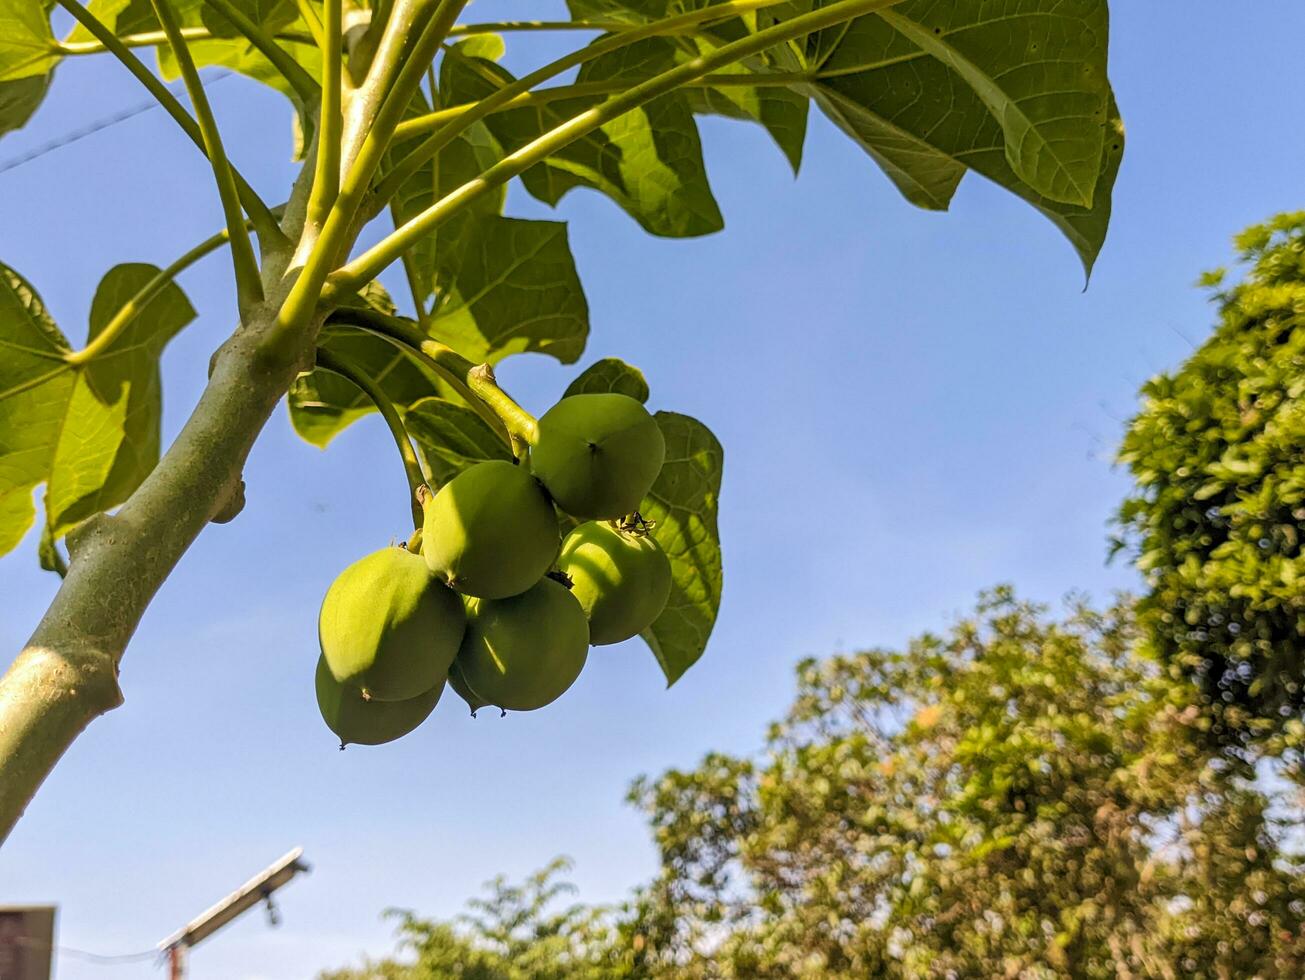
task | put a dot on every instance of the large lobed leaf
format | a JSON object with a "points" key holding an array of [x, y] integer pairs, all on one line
{"points": [[648, 161], [27, 60], [1015, 90], [683, 505], [90, 433]]}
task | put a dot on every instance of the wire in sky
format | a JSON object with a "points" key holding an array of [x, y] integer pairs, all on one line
{"points": [[100, 959], [92, 128]]}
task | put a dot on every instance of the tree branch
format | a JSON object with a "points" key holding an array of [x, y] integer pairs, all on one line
{"points": [[269, 232], [475, 382], [293, 72], [330, 123], [407, 166], [249, 285], [339, 228], [133, 307], [368, 265], [67, 674], [417, 125], [412, 468]]}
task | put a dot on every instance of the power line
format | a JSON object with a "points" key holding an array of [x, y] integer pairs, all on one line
{"points": [[92, 128], [98, 958]]}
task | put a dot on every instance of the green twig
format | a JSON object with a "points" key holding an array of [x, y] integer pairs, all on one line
{"points": [[312, 22], [249, 286], [265, 224], [137, 303], [429, 147], [417, 476], [433, 120], [302, 82], [330, 125], [366, 266], [475, 382], [306, 292]]}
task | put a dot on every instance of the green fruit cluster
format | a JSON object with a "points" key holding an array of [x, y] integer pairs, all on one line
{"points": [[496, 604]]}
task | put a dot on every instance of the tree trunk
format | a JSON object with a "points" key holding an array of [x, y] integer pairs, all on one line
{"points": [[67, 675]]}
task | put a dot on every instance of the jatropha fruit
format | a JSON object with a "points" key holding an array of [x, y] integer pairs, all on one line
{"points": [[388, 627], [523, 652], [620, 576], [598, 454], [486, 599], [357, 720], [491, 531]]}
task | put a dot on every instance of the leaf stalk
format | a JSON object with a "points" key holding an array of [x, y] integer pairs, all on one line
{"points": [[416, 475]]}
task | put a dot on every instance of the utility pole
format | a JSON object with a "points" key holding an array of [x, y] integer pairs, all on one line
{"points": [[256, 890]]}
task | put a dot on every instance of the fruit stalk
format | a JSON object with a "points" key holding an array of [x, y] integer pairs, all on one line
{"points": [[475, 382], [412, 468]]}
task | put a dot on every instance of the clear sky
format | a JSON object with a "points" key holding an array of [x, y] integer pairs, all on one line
{"points": [[914, 406]]}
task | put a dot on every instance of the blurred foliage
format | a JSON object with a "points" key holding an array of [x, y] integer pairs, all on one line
{"points": [[515, 933], [1019, 796], [1218, 455]]}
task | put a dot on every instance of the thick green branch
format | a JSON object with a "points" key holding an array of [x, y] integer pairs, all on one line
{"points": [[412, 468], [433, 120], [413, 161], [269, 232], [368, 265], [330, 123], [151, 39], [67, 674], [294, 73], [339, 228], [475, 382], [249, 285]]}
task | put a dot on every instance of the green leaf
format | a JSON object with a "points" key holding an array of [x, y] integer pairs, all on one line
{"points": [[271, 15], [91, 433], [683, 506], [610, 375], [510, 286], [323, 404], [452, 437], [1040, 68], [27, 45], [912, 103], [28, 57], [782, 111], [110, 429], [648, 161], [926, 176], [125, 17], [471, 152], [34, 387], [20, 99]]}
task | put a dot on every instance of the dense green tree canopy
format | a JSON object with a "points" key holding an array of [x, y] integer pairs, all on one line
{"points": [[1017, 796], [1218, 454]]}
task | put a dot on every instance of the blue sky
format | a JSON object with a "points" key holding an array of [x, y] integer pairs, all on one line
{"points": [[914, 406]]}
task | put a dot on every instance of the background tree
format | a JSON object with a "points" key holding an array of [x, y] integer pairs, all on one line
{"points": [[1016, 796], [1218, 453], [517, 932], [406, 117]]}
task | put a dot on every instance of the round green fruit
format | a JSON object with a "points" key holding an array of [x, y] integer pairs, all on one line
{"points": [[621, 580], [361, 722], [388, 627], [598, 454], [459, 685], [491, 531], [524, 652]]}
